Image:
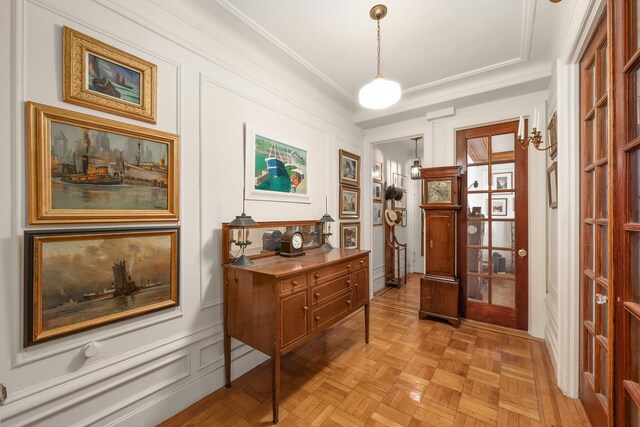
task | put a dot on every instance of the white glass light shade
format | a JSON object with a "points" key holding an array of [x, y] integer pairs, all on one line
{"points": [[380, 93]]}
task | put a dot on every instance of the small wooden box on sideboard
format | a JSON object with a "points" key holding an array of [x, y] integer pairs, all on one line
{"points": [[278, 304], [439, 287]]}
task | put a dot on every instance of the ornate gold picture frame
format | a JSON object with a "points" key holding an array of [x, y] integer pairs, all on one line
{"points": [[77, 280], [105, 78], [86, 169]]}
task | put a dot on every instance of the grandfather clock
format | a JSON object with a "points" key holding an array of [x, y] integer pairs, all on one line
{"points": [[439, 287]]}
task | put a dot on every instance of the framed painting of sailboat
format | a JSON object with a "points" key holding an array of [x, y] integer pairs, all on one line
{"points": [[86, 169], [275, 169], [77, 280], [105, 78]]}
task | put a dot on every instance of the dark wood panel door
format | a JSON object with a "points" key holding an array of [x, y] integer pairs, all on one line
{"points": [[625, 189], [595, 352], [493, 225], [440, 236], [294, 317]]}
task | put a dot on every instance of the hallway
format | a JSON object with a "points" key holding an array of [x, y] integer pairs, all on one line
{"points": [[412, 373]]}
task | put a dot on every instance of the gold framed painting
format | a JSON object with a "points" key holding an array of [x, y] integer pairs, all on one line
{"points": [[86, 169], [350, 235], [77, 280], [349, 202], [349, 168], [105, 78]]}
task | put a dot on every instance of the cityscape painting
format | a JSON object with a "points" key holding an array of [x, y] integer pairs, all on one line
{"points": [[82, 279], [89, 169]]}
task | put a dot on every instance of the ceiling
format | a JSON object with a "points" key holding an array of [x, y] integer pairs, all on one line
{"points": [[433, 48]]}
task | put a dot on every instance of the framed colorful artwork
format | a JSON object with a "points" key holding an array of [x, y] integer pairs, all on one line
{"points": [[349, 202], [105, 78], [87, 169], [350, 235], [77, 280], [349, 168], [276, 169], [376, 171]]}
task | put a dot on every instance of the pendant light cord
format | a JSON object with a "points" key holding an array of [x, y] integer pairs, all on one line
{"points": [[379, 74]]}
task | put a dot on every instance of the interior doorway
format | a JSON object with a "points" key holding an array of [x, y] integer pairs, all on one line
{"points": [[493, 226]]}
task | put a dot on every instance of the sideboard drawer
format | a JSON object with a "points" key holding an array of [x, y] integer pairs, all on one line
{"points": [[330, 312], [329, 273], [322, 293], [361, 263], [293, 284]]}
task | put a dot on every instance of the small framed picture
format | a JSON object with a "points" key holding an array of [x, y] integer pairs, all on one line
{"points": [[350, 235], [376, 171], [377, 191], [499, 207], [552, 135], [400, 181], [349, 202], [552, 185], [108, 79], [377, 213], [349, 168], [502, 180]]}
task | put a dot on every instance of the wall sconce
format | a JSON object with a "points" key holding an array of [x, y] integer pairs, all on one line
{"points": [[415, 168], [535, 138]]}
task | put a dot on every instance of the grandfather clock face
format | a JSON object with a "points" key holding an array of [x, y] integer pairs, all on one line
{"points": [[439, 191]]}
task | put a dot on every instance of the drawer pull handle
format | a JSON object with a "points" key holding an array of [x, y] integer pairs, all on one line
{"points": [[295, 282], [317, 317], [348, 265], [317, 294], [348, 301], [348, 282], [355, 284], [361, 261], [316, 275], [305, 308]]}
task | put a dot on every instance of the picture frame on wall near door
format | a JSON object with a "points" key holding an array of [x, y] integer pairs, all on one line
{"points": [[349, 168]]}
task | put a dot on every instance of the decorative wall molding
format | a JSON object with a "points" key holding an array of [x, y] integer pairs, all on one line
{"points": [[142, 20]]}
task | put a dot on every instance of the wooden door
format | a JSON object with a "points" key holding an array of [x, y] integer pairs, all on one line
{"points": [[493, 225], [595, 354], [625, 149]]}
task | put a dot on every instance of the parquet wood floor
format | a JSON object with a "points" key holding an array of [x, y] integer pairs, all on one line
{"points": [[412, 373]]}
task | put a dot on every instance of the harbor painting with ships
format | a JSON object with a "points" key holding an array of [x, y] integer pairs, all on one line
{"points": [[108, 78], [92, 169], [279, 167], [100, 278]]}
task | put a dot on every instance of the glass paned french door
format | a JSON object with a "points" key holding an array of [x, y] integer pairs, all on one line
{"points": [[493, 230], [595, 390]]}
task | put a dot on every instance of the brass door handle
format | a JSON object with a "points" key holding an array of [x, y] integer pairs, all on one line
{"points": [[522, 253], [601, 299]]}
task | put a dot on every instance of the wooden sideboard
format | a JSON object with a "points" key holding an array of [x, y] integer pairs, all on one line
{"points": [[278, 304]]}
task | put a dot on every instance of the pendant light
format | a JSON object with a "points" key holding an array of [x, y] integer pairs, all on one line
{"points": [[380, 93], [415, 168]]}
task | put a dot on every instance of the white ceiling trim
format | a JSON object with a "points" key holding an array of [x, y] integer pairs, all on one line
{"points": [[283, 47], [526, 38]]}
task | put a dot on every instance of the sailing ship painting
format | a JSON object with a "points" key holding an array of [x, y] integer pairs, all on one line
{"points": [[115, 80], [93, 169], [88, 279], [279, 167]]}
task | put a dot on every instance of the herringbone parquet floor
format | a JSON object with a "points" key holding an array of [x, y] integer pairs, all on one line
{"points": [[412, 373]]}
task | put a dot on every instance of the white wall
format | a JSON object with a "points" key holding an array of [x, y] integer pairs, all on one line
{"points": [[213, 75]]}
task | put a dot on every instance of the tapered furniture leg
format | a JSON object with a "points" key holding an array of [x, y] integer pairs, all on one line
{"points": [[366, 323], [275, 392]]}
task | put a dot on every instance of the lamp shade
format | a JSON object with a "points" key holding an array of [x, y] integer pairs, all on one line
{"points": [[243, 220], [326, 218], [415, 169], [380, 93]]}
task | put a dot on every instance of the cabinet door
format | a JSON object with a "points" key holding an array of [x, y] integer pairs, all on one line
{"points": [[361, 286], [293, 316], [440, 232]]}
